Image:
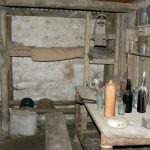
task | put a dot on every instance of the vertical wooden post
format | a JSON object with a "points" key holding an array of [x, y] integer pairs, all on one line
{"points": [[87, 47], [123, 62], [86, 64], [4, 97], [10, 74], [4, 72], [77, 112], [108, 72], [109, 68], [117, 53]]}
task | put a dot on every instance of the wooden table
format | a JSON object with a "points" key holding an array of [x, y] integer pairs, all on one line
{"points": [[133, 134]]}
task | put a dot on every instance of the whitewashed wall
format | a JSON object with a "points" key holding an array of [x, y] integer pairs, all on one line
{"points": [[55, 80]]}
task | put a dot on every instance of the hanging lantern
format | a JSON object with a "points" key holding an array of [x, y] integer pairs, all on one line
{"points": [[99, 32]]}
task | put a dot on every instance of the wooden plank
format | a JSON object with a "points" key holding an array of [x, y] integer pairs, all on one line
{"points": [[3, 34], [54, 54], [109, 67], [87, 47], [77, 111], [117, 53], [44, 12], [88, 27], [138, 54], [4, 72], [65, 4], [102, 61], [134, 64], [4, 96], [57, 137], [131, 131], [56, 103], [86, 93], [122, 58], [4, 27], [10, 74], [99, 55], [20, 53], [42, 110], [45, 54], [108, 72]]}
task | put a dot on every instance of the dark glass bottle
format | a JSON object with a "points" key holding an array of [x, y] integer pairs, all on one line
{"points": [[141, 105], [127, 97], [142, 96]]}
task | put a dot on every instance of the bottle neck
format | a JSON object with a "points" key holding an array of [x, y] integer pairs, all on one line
{"points": [[128, 86]]}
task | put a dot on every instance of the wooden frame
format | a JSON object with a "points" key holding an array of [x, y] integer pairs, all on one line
{"points": [[6, 9]]}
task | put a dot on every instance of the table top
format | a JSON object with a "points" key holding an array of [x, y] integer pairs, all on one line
{"points": [[134, 130]]}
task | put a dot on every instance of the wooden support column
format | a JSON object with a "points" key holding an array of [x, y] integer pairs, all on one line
{"points": [[87, 47], [4, 97], [4, 72], [109, 68], [10, 74], [108, 72], [117, 53], [86, 63]]}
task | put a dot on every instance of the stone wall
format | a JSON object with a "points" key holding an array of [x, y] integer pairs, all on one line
{"points": [[54, 80]]}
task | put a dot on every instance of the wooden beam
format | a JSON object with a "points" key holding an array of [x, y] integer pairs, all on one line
{"points": [[86, 63], [56, 134], [4, 97], [102, 61], [56, 103], [87, 47], [4, 72], [45, 54], [42, 110], [117, 53], [44, 12], [75, 5], [10, 74]]}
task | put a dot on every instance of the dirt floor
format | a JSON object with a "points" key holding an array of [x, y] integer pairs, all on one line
{"points": [[37, 142]]}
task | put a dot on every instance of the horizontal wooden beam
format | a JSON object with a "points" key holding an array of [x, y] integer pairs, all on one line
{"points": [[56, 103], [105, 61], [45, 54], [12, 11], [75, 5], [40, 110]]}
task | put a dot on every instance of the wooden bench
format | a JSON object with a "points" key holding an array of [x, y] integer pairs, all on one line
{"points": [[57, 137]]}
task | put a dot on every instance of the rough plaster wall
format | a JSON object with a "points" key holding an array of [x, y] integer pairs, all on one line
{"points": [[55, 80]]}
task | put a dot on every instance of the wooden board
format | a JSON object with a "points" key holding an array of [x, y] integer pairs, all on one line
{"points": [[101, 55], [134, 130], [86, 93], [54, 54], [56, 132], [65, 4], [43, 53], [44, 110]]}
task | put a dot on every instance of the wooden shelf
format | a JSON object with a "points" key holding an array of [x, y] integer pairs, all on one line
{"points": [[138, 54], [142, 26], [100, 55], [144, 30]]}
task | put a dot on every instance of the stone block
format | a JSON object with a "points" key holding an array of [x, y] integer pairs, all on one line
{"points": [[23, 122]]}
